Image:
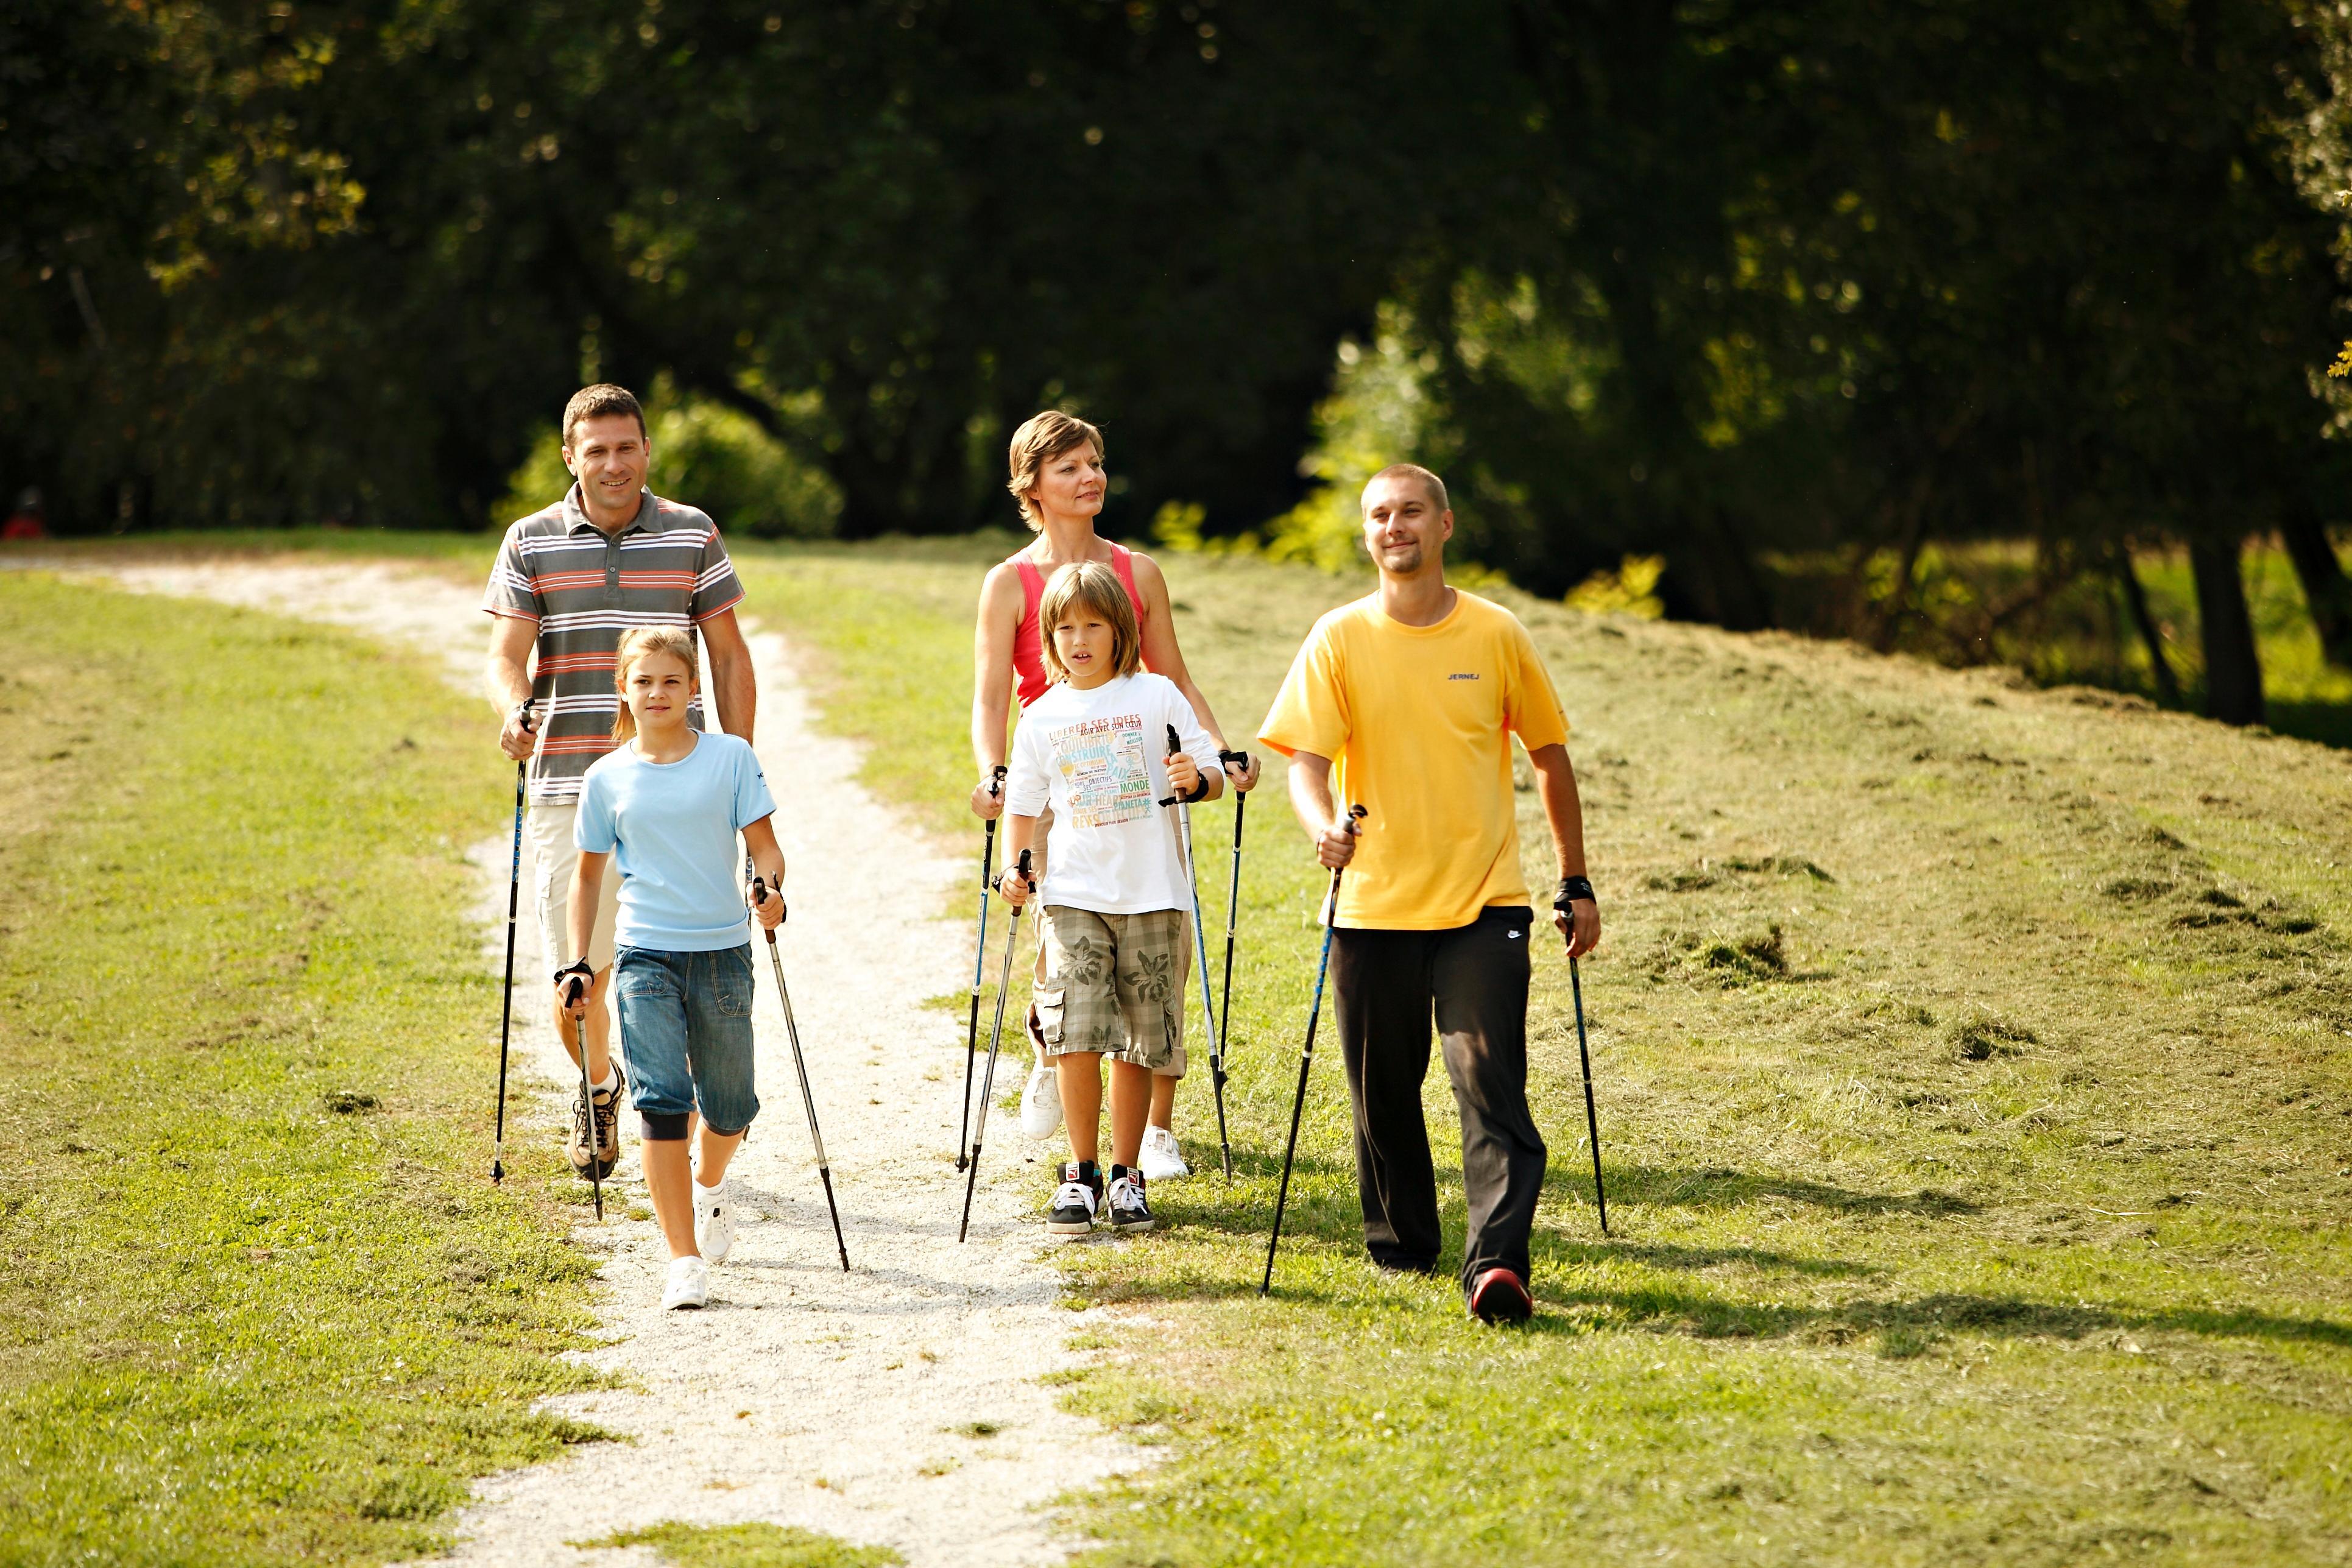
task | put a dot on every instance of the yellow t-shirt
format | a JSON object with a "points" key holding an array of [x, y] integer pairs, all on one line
{"points": [[1419, 720]]}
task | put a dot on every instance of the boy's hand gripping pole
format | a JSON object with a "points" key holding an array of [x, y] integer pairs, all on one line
{"points": [[1201, 952], [572, 992], [996, 1038], [506, 998], [1225, 1003], [760, 894], [1591, 1118], [1307, 1059], [978, 963]]}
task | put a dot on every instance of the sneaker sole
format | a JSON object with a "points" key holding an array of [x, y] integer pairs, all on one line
{"points": [[1067, 1227], [1130, 1226]]}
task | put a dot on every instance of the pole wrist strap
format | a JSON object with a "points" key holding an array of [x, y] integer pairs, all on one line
{"points": [[1572, 888], [579, 968]]}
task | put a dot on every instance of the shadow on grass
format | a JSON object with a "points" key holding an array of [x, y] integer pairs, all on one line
{"points": [[1570, 1178]]}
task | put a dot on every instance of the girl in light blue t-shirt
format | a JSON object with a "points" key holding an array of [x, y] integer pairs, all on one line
{"points": [[669, 801]]}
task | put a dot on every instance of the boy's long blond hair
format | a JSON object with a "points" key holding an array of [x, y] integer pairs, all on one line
{"points": [[1091, 586], [675, 641]]}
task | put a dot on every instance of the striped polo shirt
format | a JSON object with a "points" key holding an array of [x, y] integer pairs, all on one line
{"points": [[584, 588]]}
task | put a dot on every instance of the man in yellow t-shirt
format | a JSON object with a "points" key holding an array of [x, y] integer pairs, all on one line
{"points": [[1404, 702]]}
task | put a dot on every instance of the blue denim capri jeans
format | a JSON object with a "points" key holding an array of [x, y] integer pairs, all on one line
{"points": [[685, 1030]]}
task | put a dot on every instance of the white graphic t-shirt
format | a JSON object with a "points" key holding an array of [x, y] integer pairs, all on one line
{"points": [[1099, 758]]}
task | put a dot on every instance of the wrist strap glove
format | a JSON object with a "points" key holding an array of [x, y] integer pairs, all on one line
{"points": [[1572, 888], [579, 968]]}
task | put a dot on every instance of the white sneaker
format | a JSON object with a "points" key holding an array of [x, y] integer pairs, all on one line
{"points": [[714, 1221], [1041, 1102], [1161, 1159], [689, 1284]]}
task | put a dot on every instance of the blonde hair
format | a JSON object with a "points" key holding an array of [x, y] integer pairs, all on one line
{"points": [[643, 643], [1041, 439], [1090, 586]]}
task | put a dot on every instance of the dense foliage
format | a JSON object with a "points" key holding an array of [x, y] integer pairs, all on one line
{"points": [[1725, 283]]}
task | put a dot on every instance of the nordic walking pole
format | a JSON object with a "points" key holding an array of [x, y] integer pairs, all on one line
{"points": [[1307, 1059], [799, 1066], [506, 998], [1201, 952], [995, 1038], [979, 962], [1226, 1004], [572, 991], [1591, 1118]]}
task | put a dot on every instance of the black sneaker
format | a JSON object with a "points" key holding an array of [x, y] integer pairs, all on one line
{"points": [[1128, 1208], [1076, 1200]]}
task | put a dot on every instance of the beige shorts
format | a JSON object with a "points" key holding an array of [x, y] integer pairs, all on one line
{"points": [[553, 858], [1111, 984], [1176, 1064]]}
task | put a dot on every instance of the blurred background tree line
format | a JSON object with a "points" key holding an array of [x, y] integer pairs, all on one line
{"points": [[1983, 328]]}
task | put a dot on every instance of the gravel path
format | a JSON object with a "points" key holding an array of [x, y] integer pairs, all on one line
{"points": [[897, 1405]]}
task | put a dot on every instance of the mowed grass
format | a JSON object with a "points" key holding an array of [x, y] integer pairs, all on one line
{"points": [[260, 1304], [1973, 1088]]}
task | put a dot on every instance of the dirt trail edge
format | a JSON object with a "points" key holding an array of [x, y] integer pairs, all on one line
{"points": [[897, 1404]]}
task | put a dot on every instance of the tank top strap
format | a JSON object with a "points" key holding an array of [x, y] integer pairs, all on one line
{"points": [[1028, 642], [1122, 561]]}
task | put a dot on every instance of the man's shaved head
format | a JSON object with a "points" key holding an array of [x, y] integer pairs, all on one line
{"points": [[1429, 481]]}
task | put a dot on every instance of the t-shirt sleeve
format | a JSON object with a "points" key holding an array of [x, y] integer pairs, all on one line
{"points": [[1027, 787], [1310, 712], [1533, 710], [510, 591], [753, 800], [593, 829], [716, 589]]}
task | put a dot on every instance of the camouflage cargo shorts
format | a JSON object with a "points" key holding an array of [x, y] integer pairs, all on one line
{"points": [[1112, 984]]}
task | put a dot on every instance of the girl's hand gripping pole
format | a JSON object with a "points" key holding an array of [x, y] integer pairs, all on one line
{"points": [[574, 989]]}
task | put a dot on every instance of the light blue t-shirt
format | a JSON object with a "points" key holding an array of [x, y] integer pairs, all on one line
{"points": [[674, 827]]}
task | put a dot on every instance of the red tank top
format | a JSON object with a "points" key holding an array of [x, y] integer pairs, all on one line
{"points": [[1028, 643]]}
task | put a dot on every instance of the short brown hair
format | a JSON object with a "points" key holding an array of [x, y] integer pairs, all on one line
{"points": [[596, 402], [1429, 481], [1090, 586], [1041, 439]]}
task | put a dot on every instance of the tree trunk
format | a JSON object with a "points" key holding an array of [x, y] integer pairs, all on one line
{"points": [[2167, 685], [2233, 668], [2326, 589]]}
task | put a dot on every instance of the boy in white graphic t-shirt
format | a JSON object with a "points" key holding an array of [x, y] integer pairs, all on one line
{"points": [[1116, 898]]}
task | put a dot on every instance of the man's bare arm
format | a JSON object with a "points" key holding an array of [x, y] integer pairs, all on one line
{"points": [[732, 682], [506, 678], [1564, 810]]}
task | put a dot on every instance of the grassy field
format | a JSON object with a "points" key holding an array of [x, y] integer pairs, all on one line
{"points": [[259, 1304], [1973, 1092]]}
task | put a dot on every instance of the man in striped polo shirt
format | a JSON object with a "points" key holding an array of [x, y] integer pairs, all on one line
{"points": [[569, 579]]}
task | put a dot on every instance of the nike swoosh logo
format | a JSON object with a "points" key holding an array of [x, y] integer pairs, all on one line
{"points": [[1515, 936]]}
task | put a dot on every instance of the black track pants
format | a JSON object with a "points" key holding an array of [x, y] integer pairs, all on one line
{"points": [[1474, 979]]}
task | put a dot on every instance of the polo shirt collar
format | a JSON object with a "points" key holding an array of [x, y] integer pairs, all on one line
{"points": [[575, 516]]}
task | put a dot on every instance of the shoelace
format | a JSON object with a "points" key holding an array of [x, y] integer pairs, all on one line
{"points": [[1075, 1194], [1127, 1197]]}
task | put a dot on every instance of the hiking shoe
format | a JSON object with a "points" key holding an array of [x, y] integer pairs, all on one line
{"points": [[1162, 1161], [1129, 1210], [608, 1123], [1041, 1097], [1500, 1296], [1072, 1211], [714, 1222], [576, 1145], [688, 1285]]}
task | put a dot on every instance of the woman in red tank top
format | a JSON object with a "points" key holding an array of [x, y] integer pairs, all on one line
{"points": [[1057, 477]]}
